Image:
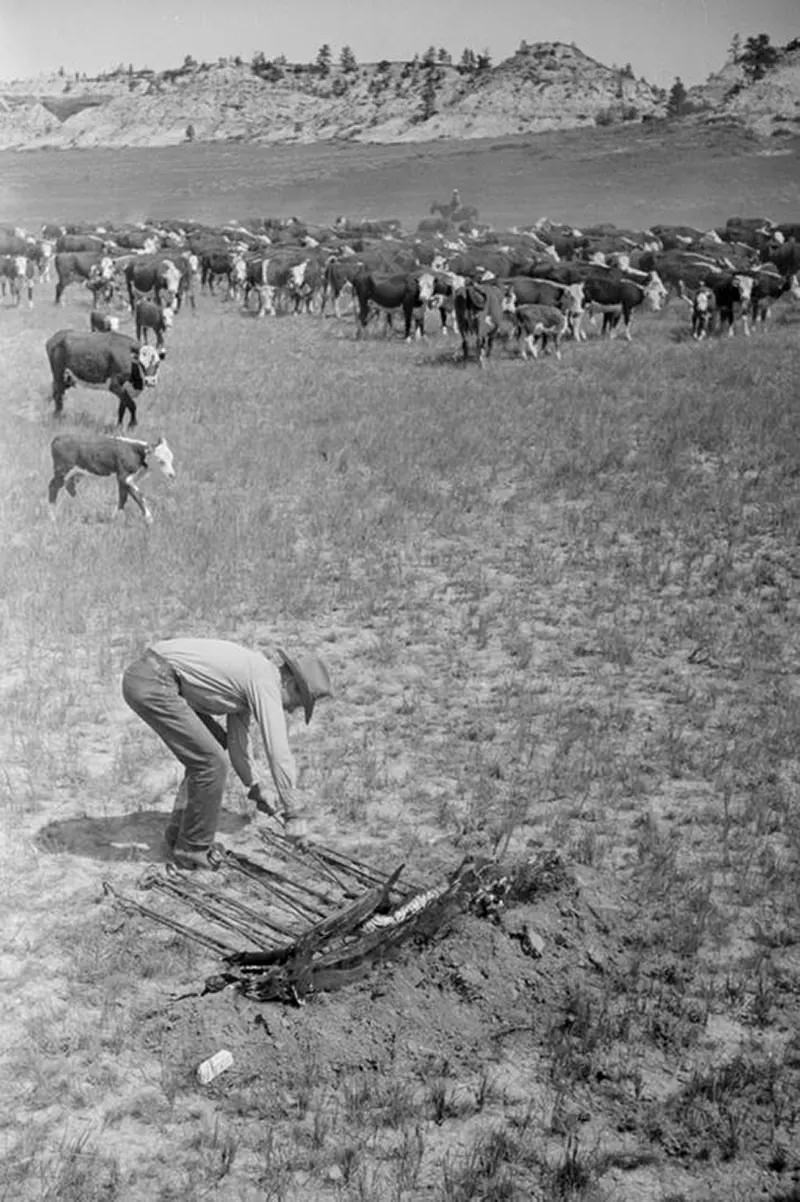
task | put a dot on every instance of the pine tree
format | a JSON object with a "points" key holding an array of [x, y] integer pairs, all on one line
{"points": [[323, 60], [758, 55], [347, 61], [676, 104], [429, 94]]}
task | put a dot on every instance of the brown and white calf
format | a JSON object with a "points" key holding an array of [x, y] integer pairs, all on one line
{"points": [[17, 274], [151, 316], [103, 323], [542, 324], [128, 459]]}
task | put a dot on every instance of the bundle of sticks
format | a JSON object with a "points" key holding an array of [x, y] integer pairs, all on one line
{"points": [[284, 937]]}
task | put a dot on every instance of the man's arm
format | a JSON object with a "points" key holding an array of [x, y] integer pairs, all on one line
{"points": [[267, 709]]}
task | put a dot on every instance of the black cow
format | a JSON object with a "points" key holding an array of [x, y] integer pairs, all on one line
{"points": [[405, 292], [81, 265], [113, 361], [480, 314]]}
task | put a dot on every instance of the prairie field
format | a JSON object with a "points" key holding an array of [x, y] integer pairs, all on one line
{"points": [[559, 605]]}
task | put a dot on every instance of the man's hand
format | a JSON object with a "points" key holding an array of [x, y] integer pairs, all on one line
{"points": [[256, 793], [296, 829]]}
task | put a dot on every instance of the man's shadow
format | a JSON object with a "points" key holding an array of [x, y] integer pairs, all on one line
{"points": [[126, 837]]}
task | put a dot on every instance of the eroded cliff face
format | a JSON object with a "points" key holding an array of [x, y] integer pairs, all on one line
{"points": [[547, 85]]}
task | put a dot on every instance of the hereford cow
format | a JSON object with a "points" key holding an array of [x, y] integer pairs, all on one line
{"points": [[404, 292], [102, 360], [159, 276], [75, 455], [609, 290], [87, 266]]}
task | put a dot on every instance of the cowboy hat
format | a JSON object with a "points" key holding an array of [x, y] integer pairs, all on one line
{"points": [[311, 677]]}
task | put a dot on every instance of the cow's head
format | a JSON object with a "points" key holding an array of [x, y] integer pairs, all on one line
{"points": [[425, 287], [162, 455], [509, 301], [144, 366], [572, 299], [744, 286], [105, 269], [167, 312]]}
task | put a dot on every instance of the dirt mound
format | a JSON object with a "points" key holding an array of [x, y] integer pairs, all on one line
{"points": [[445, 1005]]}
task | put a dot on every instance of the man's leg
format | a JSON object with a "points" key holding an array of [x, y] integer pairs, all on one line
{"points": [[152, 693]]}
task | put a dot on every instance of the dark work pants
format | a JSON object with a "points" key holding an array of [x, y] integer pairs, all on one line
{"points": [[152, 690]]}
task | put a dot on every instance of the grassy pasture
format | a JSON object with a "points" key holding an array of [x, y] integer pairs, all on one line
{"points": [[559, 602], [634, 175]]}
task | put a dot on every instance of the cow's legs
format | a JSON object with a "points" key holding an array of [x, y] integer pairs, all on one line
{"points": [[127, 487], [126, 404], [55, 486]]}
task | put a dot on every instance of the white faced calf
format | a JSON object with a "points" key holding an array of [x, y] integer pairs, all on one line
{"points": [[128, 459]]}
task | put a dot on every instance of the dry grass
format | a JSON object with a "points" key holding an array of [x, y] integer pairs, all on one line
{"points": [[559, 603]]}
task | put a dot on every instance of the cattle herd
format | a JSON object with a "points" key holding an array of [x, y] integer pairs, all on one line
{"points": [[533, 286]]}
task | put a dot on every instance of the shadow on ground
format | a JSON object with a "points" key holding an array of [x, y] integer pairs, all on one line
{"points": [[123, 837]]}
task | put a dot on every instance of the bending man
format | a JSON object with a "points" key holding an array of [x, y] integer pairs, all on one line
{"points": [[176, 687]]}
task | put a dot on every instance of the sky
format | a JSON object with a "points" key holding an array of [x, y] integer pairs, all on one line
{"points": [[661, 39]]}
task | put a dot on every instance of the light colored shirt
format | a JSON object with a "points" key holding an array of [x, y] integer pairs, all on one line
{"points": [[222, 678]]}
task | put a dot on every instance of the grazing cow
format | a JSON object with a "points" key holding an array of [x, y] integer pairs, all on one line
{"points": [[158, 276], [151, 316], [81, 243], [75, 455], [613, 289], [82, 265], [405, 292], [103, 323], [540, 323], [479, 315], [17, 272], [102, 360]]}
